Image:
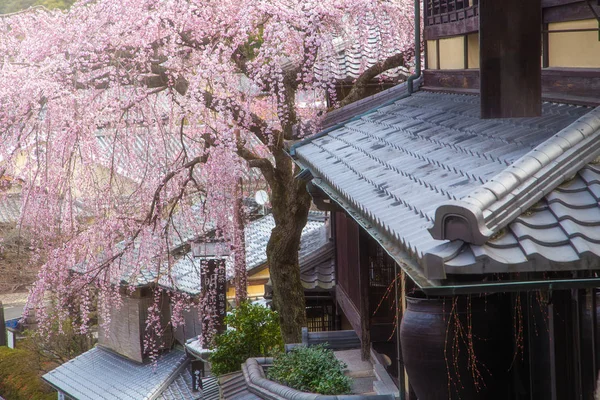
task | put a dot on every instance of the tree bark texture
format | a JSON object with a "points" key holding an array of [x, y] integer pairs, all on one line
{"points": [[291, 203]]}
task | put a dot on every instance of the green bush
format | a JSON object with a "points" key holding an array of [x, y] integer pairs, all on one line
{"points": [[253, 331], [19, 376], [311, 369]]}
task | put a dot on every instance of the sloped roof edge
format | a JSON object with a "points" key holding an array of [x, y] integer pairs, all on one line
{"points": [[478, 216], [339, 117], [379, 234]]}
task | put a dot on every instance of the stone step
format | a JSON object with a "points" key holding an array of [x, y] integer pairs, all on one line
{"points": [[360, 374], [363, 385]]}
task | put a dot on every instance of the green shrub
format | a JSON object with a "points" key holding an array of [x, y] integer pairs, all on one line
{"points": [[311, 369], [253, 332], [19, 376]]}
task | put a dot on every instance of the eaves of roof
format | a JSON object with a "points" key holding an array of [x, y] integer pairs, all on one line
{"points": [[394, 168], [478, 216], [102, 374], [337, 118]]}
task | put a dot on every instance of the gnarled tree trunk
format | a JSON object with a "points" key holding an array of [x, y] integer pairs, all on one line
{"points": [[291, 203]]}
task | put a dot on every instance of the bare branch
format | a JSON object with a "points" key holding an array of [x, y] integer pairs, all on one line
{"points": [[360, 86]]}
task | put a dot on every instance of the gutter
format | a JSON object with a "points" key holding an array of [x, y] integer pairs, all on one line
{"points": [[410, 82], [417, 73]]}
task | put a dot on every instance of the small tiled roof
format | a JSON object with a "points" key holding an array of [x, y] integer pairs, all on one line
{"points": [[181, 388], [101, 374], [234, 387], [10, 208], [185, 272], [317, 269], [561, 229], [393, 168], [258, 232], [352, 58]]}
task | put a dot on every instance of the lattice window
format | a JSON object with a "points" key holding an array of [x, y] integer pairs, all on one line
{"points": [[443, 11], [320, 317]]}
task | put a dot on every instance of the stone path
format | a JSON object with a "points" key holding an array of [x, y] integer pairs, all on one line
{"points": [[13, 304], [360, 371]]}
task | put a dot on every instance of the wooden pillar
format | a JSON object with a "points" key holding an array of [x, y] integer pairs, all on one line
{"points": [[2, 326], [510, 48], [365, 315]]}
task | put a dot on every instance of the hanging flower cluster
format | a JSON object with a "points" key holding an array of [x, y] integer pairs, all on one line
{"points": [[130, 123]]}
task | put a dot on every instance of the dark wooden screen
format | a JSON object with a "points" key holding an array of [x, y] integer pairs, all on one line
{"points": [[444, 11], [320, 316]]}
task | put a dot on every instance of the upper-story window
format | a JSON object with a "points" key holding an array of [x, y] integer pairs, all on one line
{"points": [[444, 11]]}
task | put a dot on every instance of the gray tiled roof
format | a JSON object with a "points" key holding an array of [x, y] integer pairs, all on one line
{"points": [[395, 167], [10, 208], [492, 206], [181, 388], [368, 103], [234, 387], [258, 232], [561, 229], [185, 272], [101, 374], [317, 269]]}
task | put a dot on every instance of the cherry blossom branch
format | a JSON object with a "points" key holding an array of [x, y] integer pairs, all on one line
{"points": [[359, 88]]}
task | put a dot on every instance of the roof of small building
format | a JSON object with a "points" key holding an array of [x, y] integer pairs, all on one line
{"points": [[234, 387], [258, 233], [489, 190], [10, 208], [181, 388], [11, 205], [184, 274], [101, 374]]}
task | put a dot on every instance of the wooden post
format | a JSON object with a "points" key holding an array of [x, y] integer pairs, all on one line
{"points": [[365, 315], [510, 48], [2, 326]]}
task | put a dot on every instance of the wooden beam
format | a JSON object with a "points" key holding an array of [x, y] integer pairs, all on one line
{"points": [[348, 308], [510, 43], [2, 326], [461, 27], [571, 12]]}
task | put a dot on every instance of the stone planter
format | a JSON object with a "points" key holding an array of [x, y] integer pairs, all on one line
{"points": [[254, 374]]}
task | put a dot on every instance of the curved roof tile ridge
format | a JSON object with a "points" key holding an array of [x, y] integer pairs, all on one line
{"points": [[478, 216]]}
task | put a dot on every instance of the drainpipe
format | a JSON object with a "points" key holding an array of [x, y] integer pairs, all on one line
{"points": [[417, 74], [409, 84]]}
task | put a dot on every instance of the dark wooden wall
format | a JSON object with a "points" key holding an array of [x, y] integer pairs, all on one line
{"points": [[571, 85], [464, 21], [348, 265]]}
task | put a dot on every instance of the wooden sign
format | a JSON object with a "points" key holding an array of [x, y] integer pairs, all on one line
{"points": [[197, 370], [214, 284]]}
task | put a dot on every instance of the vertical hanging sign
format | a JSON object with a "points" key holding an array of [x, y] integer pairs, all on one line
{"points": [[214, 285], [197, 367], [221, 290]]}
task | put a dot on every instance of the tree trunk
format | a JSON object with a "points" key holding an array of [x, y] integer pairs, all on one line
{"points": [[241, 275], [291, 203]]}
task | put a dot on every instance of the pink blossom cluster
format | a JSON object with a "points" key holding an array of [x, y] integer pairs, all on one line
{"points": [[119, 116]]}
